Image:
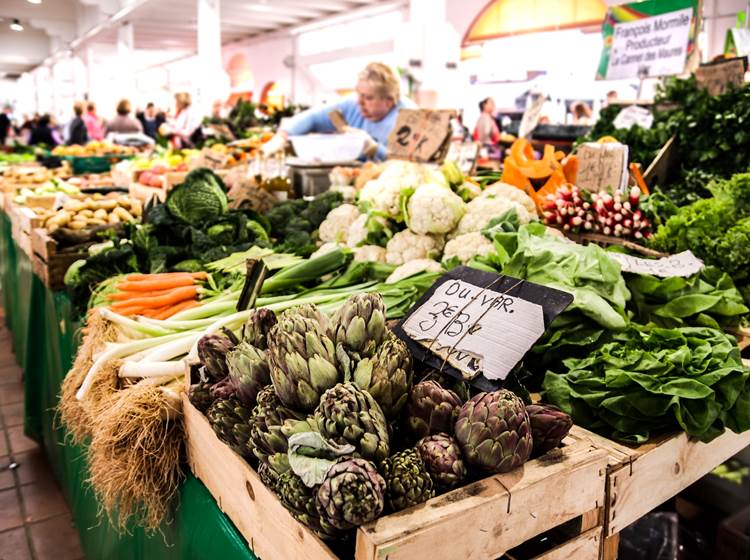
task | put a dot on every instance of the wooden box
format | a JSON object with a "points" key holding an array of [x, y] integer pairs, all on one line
{"points": [[481, 520], [49, 264]]}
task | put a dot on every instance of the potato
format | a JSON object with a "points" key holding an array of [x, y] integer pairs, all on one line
{"points": [[123, 201], [96, 222], [123, 214], [98, 196], [74, 205], [113, 219], [77, 224], [101, 214], [108, 204], [86, 213], [136, 209]]}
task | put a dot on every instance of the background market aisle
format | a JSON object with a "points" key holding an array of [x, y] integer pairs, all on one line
{"points": [[35, 522]]}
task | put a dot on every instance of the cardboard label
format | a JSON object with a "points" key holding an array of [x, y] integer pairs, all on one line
{"points": [[464, 154], [421, 135], [718, 77], [682, 264], [531, 115], [602, 166], [634, 114], [651, 46]]}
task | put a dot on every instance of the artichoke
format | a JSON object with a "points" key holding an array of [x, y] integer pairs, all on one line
{"points": [[407, 482], [432, 409], [387, 376], [303, 361], [222, 389], [442, 459], [351, 494], [494, 432], [300, 501], [229, 420], [549, 426], [359, 325], [271, 424], [212, 351], [268, 476], [201, 397], [256, 328], [347, 414], [309, 311], [248, 372]]}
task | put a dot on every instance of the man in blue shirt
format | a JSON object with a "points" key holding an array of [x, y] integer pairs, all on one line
{"points": [[372, 113]]}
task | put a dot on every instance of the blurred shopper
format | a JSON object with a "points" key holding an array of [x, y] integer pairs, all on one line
{"points": [[123, 123], [582, 113], [486, 132], [94, 123], [44, 133], [77, 131], [151, 120], [184, 129], [6, 126], [371, 114]]}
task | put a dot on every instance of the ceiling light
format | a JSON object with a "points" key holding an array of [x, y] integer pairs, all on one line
{"points": [[260, 7], [15, 25], [35, 1]]}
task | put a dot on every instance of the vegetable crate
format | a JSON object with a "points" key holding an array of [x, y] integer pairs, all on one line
{"points": [[49, 264], [641, 478], [18, 218], [482, 520], [145, 193]]}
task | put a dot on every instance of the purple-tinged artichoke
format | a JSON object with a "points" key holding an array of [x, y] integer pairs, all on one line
{"points": [[432, 409], [301, 502], [442, 458], [212, 351], [256, 328], [201, 397], [549, 426], [351, 495]]}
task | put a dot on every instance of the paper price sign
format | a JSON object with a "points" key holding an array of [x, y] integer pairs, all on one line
{"points": [[682, 264], [718, 77], [634, 115], [421, 135], [602, 166]]}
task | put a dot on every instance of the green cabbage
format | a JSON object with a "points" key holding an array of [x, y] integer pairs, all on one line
{"points": [[199, 198]]}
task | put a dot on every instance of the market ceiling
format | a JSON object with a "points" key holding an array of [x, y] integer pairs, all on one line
{"points": [[53, 27]]}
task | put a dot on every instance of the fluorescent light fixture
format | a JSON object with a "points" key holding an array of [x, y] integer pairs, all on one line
{"points": [[260, 7], [15, 25], [35, 1]]}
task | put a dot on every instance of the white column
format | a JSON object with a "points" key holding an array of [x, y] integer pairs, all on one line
{"points": [[125, 67], [212, 82]]}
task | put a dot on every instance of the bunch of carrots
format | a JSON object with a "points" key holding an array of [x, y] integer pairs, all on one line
{"points": [[158, 296]]}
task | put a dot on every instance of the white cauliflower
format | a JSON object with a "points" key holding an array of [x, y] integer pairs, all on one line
{"points": [[383, 194], [336, 225], [326, 248], [371, 253], [412, 268], [434, 209], [504, 190], [468, 246], [407, 246], [481, 211], [362, 227]]}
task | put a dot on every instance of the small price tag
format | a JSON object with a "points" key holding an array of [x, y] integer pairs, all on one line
{"points": [[682, 264], [421, 135], [717, 77], [602, 166], [531, 116], [634, 115], [464, 154], [476, 324]]}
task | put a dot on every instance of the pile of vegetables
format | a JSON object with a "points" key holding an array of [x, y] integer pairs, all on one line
{"points": [[96, 210], [49, 188], [158, 296], [93, 149]]}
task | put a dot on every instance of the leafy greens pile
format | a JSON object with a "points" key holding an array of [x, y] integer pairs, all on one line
{"points": [[294, 222]]}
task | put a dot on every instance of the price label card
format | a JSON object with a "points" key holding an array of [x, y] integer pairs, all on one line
{"points": [[634, 115], [421, 135], [602, 166], [682, 264], [531, 116], [718, 77], [476, 324]]}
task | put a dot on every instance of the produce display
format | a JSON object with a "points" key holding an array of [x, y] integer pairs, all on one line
{"points": [[51, 187], [93, 149], [92, 211]]}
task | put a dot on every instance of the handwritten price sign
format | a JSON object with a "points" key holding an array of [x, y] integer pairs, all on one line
{"points": [[682, 264], [421, 135]]}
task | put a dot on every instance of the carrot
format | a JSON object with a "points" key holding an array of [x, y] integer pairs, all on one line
{"points": [[169, 311], [174, 296], [124, 296], [153, 285], [139, 277], [154, 313], [130, 311]]}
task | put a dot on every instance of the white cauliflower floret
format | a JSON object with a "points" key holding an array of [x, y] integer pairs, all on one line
{"points": [[481, 211], [336, 225], [326, 248], [361, 228], [382, 196], [468, 246], [407, 246], [434, 209], [504, 190], [409, 174], [412, 268], [371, 253]]}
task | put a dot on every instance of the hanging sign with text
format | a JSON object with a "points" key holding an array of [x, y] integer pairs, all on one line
{"points": [[718, 77], [647, 39], [602, 166], [421, 135]]}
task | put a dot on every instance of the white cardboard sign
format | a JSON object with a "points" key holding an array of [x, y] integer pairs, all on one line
{"points": [[476, 330], [602, 166], [634, 115], [682, 264]]}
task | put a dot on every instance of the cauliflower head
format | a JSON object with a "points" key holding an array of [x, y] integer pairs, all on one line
{"points": [[434, 209], [336, 225], [371, 253], [504, 190], [382, 196], [412, 268], [480, 211], [407, 246], [367, 230], [468, 246]]}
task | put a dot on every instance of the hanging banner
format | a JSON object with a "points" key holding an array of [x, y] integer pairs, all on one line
{"points": [[648, 39]]}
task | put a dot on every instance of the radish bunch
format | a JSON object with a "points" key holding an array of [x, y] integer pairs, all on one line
{"points": [[617, 214]]}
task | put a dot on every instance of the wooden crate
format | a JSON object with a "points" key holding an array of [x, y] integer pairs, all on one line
{"points": [[49, 264], [21, 236], [481, 520], [641, 478], [144, 193]]}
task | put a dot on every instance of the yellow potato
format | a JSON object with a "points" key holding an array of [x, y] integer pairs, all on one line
{"points": [[113, 218], [96, 222], [74, 205], [123, 214], [86, 213], [108, 204], [77, 224], [101, 214]]}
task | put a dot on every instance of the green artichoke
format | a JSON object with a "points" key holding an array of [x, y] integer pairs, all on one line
{"points": [[442, 458], [248, 372], [229, 420], [351, 494], [271, 424], [222, 389], [359, 325], [347, 414], [212, 352], [268, 476], [303, 361], [407, 482], [549, 426], [494, 432], [300, 501], [309, 311], [200, 396], [256, 328], [387, 376], [432, 409]]}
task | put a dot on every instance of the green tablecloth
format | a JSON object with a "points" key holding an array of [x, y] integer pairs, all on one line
{"points": [[44, 342]]}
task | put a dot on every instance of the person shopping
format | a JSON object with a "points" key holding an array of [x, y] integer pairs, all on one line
{"points": [[94, 123], [77, 130], [123, 123], [486, 132], [371, 113], [185, 127]]}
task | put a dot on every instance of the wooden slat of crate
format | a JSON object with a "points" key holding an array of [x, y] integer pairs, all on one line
{"points": [[585, 545], [49, 264], [494, 514]]}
